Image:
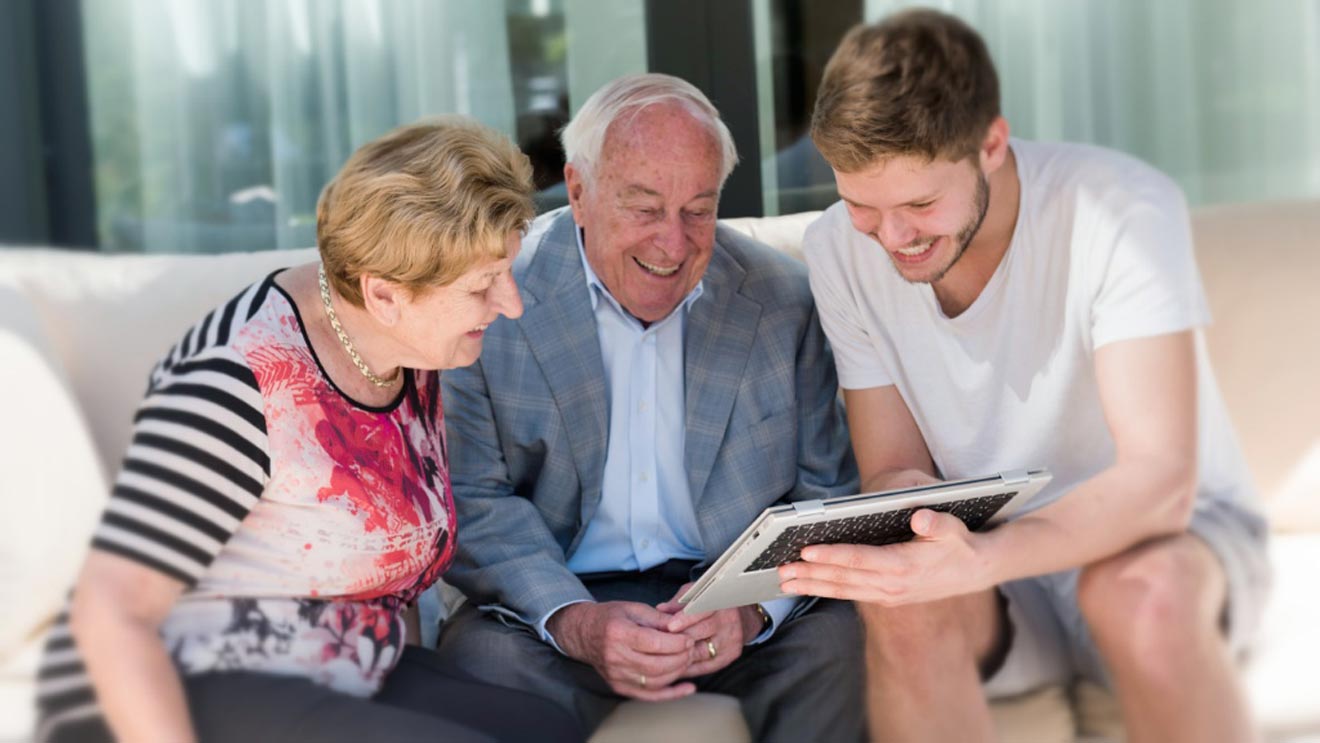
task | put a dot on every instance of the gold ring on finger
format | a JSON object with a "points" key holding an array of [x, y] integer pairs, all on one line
{"points": [[710, 648]]}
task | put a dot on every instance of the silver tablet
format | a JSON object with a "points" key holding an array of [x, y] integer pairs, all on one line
{"points": [[746, 572]]}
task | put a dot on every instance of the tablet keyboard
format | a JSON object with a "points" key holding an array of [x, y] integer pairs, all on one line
{"points": [[885, 527]]}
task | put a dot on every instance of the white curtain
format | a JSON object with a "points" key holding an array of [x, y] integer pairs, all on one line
{"points": [[606, 39], [1223, 95], [215, 123]]}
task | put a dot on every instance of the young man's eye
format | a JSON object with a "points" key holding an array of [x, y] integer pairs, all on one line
{"points": [[922, 205]]}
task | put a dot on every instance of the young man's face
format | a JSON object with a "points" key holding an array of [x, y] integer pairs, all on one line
{"points": [[924, 214]]}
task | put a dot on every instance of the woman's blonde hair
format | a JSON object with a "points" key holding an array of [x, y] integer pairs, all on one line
{"points": [[422, 205]]}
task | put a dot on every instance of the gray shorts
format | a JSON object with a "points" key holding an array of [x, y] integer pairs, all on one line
{"points": [[1052, 644]]}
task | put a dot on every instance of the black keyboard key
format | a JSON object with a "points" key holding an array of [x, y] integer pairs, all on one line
{"points": [[884, 527]]}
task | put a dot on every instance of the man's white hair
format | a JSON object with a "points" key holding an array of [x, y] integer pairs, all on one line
{"points": [[584, 137]]}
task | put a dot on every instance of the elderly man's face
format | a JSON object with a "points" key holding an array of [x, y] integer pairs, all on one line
{"points": [[648, 214]]}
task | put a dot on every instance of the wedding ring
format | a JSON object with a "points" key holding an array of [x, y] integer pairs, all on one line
{"points": [[710, 648], [641, 680]]}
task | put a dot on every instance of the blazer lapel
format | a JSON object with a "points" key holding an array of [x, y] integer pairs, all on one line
{"points": [[721, 327], [552, 323]]}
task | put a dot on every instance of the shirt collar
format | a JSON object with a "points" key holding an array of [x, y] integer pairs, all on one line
{"points": [[598, 289]]}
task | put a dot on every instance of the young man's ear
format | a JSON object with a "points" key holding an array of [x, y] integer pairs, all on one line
{"points": [[994, 147], [382, 299]]}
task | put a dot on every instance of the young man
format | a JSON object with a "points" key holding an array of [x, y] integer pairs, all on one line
{"points": [[995, 304]]}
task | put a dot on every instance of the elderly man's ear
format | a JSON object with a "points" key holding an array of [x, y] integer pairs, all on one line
{"points": [[577, 186]]}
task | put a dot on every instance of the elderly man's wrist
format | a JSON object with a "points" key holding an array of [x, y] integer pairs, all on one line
{"points": [[562, 626], [755, 620]]}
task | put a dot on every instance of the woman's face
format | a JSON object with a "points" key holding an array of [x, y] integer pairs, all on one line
{"points": [[442, 328]]}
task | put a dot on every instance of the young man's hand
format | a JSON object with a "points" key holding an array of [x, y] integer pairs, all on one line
{"points": [[942, 561]]}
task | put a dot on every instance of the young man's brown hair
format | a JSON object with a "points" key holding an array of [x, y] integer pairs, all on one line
{"points": [[919, 82]]}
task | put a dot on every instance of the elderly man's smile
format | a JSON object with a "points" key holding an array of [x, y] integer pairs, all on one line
{"points": [[656, 269]]}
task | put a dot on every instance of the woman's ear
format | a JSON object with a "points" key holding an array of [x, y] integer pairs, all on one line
{"points": [[382, 299]]}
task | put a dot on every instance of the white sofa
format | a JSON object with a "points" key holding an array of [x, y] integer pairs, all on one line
{"points": [[79, 331]]}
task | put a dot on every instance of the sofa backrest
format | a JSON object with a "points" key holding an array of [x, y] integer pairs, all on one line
{"points": [[1261, 265], [107, 318]]}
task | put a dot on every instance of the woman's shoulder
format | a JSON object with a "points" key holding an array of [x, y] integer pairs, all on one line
{"points": [[221, 332]]}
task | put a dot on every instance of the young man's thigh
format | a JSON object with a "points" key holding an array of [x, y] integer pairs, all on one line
{"points": [[1052, 642]]}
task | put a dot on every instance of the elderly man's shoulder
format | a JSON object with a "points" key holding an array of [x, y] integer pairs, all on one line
{"points": [[538, 231], [768, 271]]}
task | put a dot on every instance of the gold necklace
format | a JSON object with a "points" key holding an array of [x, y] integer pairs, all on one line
{"points": [[343, 337]]}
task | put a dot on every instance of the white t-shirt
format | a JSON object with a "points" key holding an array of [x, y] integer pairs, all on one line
{"points": [[1102, 252]]}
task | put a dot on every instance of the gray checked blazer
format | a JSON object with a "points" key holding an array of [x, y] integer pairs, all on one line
{"points": [[528, 423]]}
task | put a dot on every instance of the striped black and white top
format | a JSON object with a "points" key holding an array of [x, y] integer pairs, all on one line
{"points": [[299, 522]]}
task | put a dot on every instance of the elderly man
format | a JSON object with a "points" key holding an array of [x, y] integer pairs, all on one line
{"points": [[667, 381]]}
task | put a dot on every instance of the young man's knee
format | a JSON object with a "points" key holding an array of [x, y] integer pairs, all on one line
{"points": [[914, 631], [1154, 598]]}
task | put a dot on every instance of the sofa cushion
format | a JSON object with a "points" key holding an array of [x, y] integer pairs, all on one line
{"points": [[698, 717], [1041, 716], [1280, 674], [51, 478]]}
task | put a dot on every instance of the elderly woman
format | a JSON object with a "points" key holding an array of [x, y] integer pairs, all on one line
{"points": [[286, 495]]}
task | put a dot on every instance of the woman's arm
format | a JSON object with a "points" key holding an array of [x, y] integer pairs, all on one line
{"points": [[118, 606]]}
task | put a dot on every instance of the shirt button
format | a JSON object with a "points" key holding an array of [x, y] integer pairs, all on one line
{"points": [[641, 407], [644, 477], [646, 543]]}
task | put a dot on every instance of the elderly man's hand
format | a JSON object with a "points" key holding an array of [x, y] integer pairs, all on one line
{"points": [[718, 636], [629, 645]]}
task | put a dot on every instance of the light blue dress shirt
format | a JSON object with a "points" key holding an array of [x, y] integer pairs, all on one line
{"points": [[645, 517]]}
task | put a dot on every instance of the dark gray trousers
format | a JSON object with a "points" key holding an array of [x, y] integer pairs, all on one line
{"points": [[422, 702], [804, 684]]}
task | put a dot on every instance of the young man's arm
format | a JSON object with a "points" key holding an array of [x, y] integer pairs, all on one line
{"points": [[1148, 394], [890, 450]]}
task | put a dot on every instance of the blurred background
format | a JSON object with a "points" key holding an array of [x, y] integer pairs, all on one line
{"points": [[211, 125]]}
